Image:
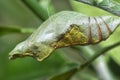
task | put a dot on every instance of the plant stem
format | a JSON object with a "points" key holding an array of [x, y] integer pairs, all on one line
{"points": [[101, 67], [101, 52], [98, 54], [34, 6], [84, 65]]}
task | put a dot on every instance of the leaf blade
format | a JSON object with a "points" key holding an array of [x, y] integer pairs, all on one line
{"points": [[111, 6]]}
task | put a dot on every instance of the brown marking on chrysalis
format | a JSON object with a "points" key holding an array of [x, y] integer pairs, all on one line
{"points": [[89, 31], [99, 30], [73, 36], [108, 28]]}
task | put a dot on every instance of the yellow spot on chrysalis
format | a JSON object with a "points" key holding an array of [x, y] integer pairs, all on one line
{"points": [[72, 37]]}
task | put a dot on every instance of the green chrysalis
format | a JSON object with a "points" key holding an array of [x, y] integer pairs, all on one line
{"points": [[66, 28]]}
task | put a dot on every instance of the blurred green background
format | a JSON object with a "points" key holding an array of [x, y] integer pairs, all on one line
{"points": [[14, 13]]}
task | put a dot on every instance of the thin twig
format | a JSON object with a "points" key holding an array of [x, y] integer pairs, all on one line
{"points": [[84, 65], [101, 52]]}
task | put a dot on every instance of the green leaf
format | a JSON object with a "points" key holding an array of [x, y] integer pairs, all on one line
{"points": [[32, 70], [112, 6], [65, 76], [37, 9], [117, 1], [7, 30]]}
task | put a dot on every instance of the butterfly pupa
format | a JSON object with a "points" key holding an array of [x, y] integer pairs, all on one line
{"points": [[66, 28]]}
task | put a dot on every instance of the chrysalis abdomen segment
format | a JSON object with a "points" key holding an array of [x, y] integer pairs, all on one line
{"points": [[102, 27], [99, 29]]}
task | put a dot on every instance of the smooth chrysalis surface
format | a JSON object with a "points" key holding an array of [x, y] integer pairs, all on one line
{"points": [[64, 29]]}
